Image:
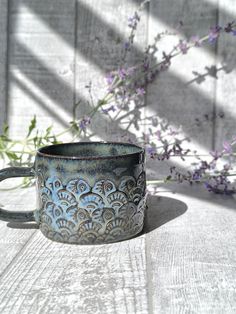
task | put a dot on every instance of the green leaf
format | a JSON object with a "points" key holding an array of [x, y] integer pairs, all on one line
{"points": [[48, 131], [5, 129], [102, 102], [54, 140], [74, 126], [168, 178], [12, 155], [32, 126], [4, 136]]}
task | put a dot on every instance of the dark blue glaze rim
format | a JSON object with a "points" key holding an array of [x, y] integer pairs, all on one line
{"points": [[42, 154]]}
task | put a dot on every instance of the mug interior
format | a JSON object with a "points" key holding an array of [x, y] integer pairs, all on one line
{"points": [[89, 150]]}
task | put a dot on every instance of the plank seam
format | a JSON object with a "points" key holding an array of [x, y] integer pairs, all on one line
{"points": [[75, 54], [147, 42], [214, 125], [148, 276], [7, 65]]}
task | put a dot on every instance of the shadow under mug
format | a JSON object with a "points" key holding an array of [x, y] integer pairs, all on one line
{"points": [[87, 192]]}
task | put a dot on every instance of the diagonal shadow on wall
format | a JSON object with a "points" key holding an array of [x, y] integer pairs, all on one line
{"points": [[163, 11], [100, 117], [83, 47], [92, 21], [89, 54], [67, 90]]}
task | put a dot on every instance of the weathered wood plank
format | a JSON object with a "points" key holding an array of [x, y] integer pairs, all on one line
{"points": [[13, 237], [58, 278], [177, 96], [101, 35], [191, 252], [3, 59], [41, 63], [226, 84], [185, 262]]}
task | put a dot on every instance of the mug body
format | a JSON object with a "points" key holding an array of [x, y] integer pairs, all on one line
{"points": [[90, 192]]}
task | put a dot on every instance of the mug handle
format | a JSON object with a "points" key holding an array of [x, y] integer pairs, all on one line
{"points": [[13, 216]]}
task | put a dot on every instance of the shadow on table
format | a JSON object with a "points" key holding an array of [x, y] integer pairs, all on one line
{"points": [[160, 210]]}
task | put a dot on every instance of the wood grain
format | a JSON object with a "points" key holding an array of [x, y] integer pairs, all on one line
{"points": [[3, 59], [13, 237], [41, 64], [51, 278], [191, 255], [184, 262]]}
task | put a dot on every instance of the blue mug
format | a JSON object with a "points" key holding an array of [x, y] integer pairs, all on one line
{"points": [[87, 192]]}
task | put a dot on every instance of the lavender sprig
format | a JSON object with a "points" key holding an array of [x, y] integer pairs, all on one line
{"points": [[215, 178], [125, 85], [127, 82]]}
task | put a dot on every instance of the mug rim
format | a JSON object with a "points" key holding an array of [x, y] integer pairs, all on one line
{"points": [[40, 153]]}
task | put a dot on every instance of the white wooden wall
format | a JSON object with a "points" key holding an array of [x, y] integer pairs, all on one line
{"points": [[51, 49]]}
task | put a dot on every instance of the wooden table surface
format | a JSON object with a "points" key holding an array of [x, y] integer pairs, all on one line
{"points": [[184, 262]]}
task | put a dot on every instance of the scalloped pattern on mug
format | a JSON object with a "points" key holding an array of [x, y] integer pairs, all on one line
{"points": [[79, 213]]}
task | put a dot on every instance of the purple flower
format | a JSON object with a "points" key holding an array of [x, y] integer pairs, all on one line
{"points": [[183, 46], [126, 45], [110, 78], [220, 185], [227, 147], [234, 32], [123, 97], [133, 20], [151, 151], [130, 70], [150, 76], [212, 164], [146, 65], [229, 27], [196, 175], [84, 123], [208, 186], [215, 154], [122, 73], [172, 132], [214, 34], [140, 91], [107, 110], [158, 134], [227, 167]]}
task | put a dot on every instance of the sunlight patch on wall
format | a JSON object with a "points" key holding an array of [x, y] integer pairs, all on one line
{"points": [[225, 7], [28, 100]]}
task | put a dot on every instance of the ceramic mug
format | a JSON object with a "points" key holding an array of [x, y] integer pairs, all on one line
{"points": [[87, 192]]}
